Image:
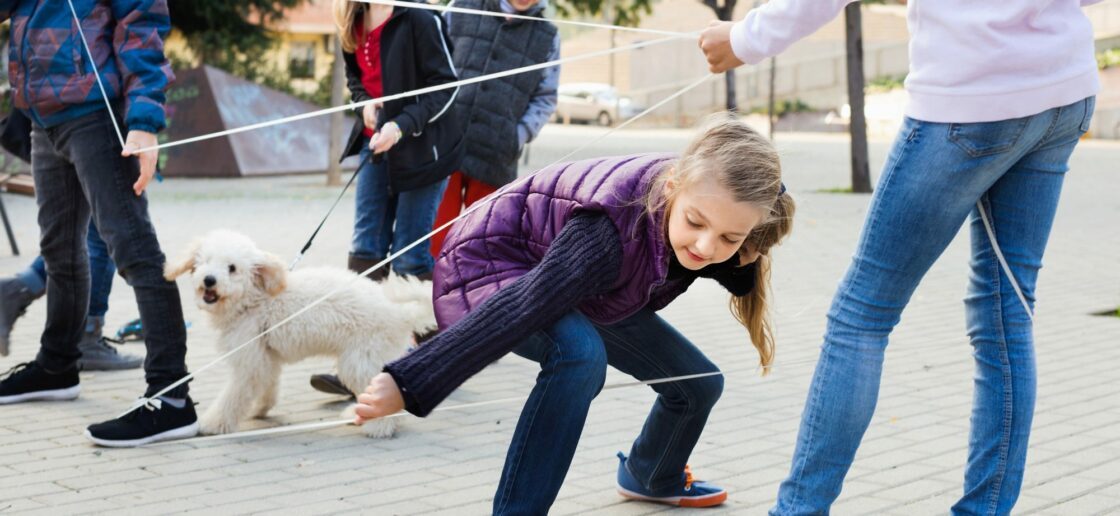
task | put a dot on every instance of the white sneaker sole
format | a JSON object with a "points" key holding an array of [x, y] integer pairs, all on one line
{"points": [[689, 501], [66, 394], [182, 432]]}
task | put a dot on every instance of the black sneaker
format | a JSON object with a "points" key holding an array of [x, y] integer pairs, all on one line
{"points": [[330, 384], [29, 382], [156, 421]]}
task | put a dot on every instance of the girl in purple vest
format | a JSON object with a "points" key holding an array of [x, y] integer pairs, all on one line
{"points": [[568, 269]]}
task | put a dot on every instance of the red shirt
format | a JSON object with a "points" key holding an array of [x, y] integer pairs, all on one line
{"points": [[368, 54]]}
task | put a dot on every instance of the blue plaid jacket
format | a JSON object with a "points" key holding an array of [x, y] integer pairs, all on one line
{"points": [[52, 76]]}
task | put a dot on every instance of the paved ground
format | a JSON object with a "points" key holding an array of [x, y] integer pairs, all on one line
{"points": [[911, 461]]}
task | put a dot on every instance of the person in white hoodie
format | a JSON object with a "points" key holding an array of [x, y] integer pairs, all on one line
{"points": [[1000, 93]]}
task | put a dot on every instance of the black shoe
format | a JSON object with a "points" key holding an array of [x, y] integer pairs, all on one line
{"points": [[359, 265], [15, 297], [29, 382], [329, 384], [154, 422], [98, 355]]}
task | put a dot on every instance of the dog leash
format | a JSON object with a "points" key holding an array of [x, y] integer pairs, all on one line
{"points": [[393, 256], [315, 233]]}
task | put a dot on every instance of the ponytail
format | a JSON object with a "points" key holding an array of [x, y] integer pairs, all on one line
{"points": [[753, 309]]}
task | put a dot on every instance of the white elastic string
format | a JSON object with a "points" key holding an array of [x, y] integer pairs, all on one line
{"points": [[408, 94], [451, 9], [645, 112], [1002, 260], [424, 238], [96, 73], [519, 181], [663, 380], [319, 425]]}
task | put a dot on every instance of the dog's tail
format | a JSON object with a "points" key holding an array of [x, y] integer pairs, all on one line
{"points": [[415, 299]]}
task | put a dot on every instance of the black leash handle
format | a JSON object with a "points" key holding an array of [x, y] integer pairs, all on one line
{"points": [[331, 210]]}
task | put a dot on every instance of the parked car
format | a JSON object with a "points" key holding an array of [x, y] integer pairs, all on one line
{"points": [[592, 102]]}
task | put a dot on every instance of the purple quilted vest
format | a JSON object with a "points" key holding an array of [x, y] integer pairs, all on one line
{"points": [[501, 241]]}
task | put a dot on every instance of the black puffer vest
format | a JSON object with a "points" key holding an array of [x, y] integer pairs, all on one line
{"points": [[484, 45]]}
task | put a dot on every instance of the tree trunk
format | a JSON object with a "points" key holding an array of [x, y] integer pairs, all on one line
{"points": [[772, 104], [338, 80], [861, 175], [724, 14]]}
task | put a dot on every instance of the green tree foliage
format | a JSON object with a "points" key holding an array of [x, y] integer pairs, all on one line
{"points": [[232, 35], [620, 12]]}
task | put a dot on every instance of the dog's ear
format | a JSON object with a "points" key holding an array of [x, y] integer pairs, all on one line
{"points": [[270, 274], [172, 271]]}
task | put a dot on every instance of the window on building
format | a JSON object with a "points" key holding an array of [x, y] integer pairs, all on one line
{"points": [[301, 60]]}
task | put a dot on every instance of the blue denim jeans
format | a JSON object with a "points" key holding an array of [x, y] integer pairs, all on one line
{"points": [[931, 182], [79, 173], [386, 222], [101, 270], [574, 354]]}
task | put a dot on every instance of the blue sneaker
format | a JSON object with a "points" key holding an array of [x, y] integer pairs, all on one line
{"points": [[690, 493]]}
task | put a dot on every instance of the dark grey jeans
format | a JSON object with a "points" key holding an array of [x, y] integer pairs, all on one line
{"points": [[79, 172]]}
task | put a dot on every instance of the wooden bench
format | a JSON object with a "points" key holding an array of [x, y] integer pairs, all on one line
{"points": [[21, 184], [14, 183]]}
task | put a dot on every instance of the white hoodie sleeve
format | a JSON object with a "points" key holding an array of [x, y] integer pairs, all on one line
{"points": [[772, 27]]}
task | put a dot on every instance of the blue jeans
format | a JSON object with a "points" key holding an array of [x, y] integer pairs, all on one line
{"points": [[385, 222], [574, 354], [79, 173], [931, 182], [101, 270]]}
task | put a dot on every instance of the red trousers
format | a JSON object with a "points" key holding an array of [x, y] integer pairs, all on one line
{"points": [[462, 191]]}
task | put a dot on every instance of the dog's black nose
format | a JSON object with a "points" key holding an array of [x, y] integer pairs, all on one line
{"points": [[209, 281]]}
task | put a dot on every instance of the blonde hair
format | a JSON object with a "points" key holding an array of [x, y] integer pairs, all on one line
{"points": [[746, 164], [346, 14]]}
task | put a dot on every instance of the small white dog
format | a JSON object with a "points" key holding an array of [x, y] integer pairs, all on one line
{"points": [[246, 290]]}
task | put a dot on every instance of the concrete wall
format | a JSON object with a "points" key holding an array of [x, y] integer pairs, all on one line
{"points": [[819, 81]]}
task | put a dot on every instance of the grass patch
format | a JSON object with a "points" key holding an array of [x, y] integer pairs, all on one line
{"points": [[837, 190], [885, 83], [784, 107], [1109, 313], [1108, 58]]}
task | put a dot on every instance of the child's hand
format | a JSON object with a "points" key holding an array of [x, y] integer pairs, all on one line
{"points": [[382, 398], [715, 42], [386, 138], [135, 141]]}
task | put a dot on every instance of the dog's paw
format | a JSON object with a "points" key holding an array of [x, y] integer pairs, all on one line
{"points": [[379, 428], [212, 426]]}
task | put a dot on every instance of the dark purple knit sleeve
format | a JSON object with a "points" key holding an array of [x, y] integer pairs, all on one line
{"points": [[583, 260]]}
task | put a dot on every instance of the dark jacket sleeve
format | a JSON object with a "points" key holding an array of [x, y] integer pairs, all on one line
{"points": [[354, 78], [434, 67], [583, 260]]}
